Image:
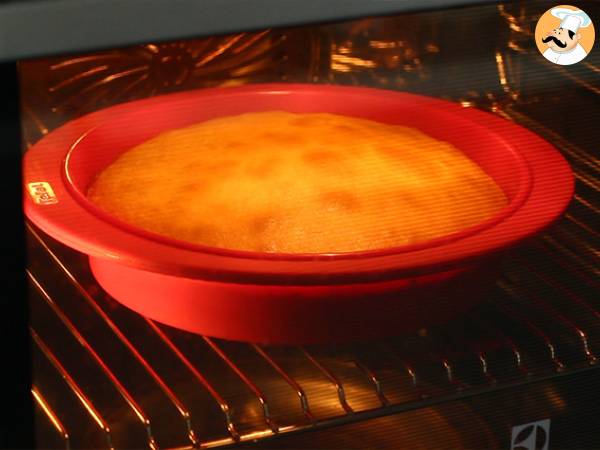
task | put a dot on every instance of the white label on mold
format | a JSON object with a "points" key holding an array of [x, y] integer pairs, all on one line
{"points": [[42, 193]]}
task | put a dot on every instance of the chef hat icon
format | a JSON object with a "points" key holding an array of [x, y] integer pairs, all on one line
{"points": [[571, 19]]}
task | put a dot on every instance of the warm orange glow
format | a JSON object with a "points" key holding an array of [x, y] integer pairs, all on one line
{"points": [[353, 61], [501, 70], [49, 413], [280, 182], [385, 44], [69, 380]]}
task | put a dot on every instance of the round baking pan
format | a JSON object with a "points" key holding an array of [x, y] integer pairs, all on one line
{"points": [[292, 298]]}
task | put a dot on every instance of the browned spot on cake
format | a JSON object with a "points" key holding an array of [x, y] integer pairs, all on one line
{"points": [[233, 145], [319, 157], [196, 166], [346, 128], [262, 168], [260, 223], [305, 121], [195, 186], [219, 167], [279, 138], [390, 150], [407, 198], [343, 199], [202, 233]]}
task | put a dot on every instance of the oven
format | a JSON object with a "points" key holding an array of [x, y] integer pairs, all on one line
{"points": [[99, 361]]}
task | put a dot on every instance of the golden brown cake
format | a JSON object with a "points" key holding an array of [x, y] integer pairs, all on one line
{"points": [[297, 183]]}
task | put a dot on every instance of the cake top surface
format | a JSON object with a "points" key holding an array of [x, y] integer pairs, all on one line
{"points": [[284, 182]]}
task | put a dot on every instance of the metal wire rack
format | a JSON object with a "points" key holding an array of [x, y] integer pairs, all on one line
{"points": [[111, 377]]}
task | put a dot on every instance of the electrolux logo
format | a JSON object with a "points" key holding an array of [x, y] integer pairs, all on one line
{"points": [[531, 436]]}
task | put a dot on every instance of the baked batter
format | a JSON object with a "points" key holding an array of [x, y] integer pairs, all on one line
{"points": [[297, 183]]}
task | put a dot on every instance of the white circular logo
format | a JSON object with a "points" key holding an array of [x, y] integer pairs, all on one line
{"points": [[564, 35]]}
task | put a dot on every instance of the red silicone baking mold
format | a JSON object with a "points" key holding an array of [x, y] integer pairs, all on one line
{"points": [[292, 298]]}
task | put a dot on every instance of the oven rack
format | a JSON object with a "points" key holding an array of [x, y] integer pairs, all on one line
{"points": [[109, 376]]}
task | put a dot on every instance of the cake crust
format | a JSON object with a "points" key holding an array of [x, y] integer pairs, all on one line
{"points": [[283, 182]]}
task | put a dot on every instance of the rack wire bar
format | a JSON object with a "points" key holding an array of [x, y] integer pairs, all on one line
{"points": [[246, 380], [143, 418], [481, 357], [182, 410], [564, 290], [508, 341], [449, 372], [374, 380], [567, 322], [577, 242], [223, 405], [484, 368], [573, 151], [582, 225], [586, 228], [51, 415], [550, 241], [518, 317], [588, 181], [332, 378], [448, 369], [293, 383], [83, 399], [594, 283], [409, 369], [587, 204]]}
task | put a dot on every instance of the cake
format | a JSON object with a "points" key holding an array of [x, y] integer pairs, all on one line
{"points": [[282, 182]]}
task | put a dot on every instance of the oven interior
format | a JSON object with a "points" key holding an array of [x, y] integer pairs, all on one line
{"points": [[106, 377]]}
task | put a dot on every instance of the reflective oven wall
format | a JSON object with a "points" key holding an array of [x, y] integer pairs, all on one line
{"points": [[105, 376]]}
